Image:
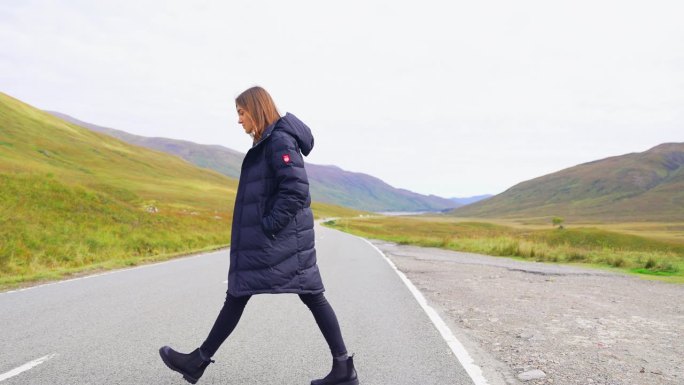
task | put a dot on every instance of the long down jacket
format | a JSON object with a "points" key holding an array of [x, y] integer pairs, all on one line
{"points": [[272, 240]]}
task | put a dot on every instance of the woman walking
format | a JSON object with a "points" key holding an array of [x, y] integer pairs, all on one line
{"points": [[272, 240]]}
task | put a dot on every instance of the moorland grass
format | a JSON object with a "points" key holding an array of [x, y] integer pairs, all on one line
{"points": [[51, 229], [585, 245]]}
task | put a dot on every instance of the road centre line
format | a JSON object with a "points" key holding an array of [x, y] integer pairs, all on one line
{"points": [[25, 367], [473, 370]]}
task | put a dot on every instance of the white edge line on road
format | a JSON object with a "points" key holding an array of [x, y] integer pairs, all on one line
{"points": [[25, 367], [473, 370], [119, 270]]}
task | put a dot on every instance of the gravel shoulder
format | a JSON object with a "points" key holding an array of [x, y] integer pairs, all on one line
{"points": [[558, 324]]}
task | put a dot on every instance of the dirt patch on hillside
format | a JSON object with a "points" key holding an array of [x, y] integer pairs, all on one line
{"points": [[576, 325]]}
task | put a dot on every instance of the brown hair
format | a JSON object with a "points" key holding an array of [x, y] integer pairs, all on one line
{"points": [[260, 107]]}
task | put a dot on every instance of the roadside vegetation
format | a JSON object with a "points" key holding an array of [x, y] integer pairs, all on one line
{"points": [[51, 230], [653, 257]]}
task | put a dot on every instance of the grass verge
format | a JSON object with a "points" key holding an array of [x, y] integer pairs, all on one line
{"points": [[591, 247]]}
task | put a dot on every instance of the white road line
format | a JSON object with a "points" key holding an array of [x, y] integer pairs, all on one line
{"points": [[25, 367], [473, 370]]}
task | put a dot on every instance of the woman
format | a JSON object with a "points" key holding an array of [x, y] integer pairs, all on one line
{"points": [[272, 241]]}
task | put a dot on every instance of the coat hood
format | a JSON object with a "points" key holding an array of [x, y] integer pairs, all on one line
{"points": [[300, 131]]}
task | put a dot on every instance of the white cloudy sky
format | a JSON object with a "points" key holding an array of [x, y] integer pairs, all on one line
{"points": [[453, 98]]}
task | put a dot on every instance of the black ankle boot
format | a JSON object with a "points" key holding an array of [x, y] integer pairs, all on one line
{"points": [[190, 365], [342, 373]]}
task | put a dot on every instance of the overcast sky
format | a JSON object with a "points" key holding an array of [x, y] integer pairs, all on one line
{"points": [[453, 98]]}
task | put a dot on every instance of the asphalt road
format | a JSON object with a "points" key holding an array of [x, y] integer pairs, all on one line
{"points": [[107, 329]]}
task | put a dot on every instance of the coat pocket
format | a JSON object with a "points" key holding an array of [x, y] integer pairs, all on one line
{"points": [[263, 221]]}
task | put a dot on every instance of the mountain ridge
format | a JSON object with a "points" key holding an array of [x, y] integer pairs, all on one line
{"points": [[328, 183], [636, 186], [472, 199]]}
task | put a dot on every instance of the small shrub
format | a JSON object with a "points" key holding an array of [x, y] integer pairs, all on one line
{"points": [[557, 221], [576, 256], [650, 263], [617, 262], [511, 247], [445, 242], [668, 267], [664, 267]]}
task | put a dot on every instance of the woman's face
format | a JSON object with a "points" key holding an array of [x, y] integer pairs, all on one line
{"points": [[245, 120]]}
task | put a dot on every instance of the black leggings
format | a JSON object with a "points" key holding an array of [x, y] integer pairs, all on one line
{"points": [[232, 311]]}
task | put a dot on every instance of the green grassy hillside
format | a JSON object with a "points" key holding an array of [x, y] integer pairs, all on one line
{"points": [[647, 186], [74, 200], [214, 157]]}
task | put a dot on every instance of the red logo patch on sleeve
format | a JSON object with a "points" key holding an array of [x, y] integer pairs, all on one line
{"points": [[286, 158]]}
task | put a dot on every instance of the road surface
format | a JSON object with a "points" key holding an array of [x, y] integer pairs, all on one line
{"points": [[107, 329]]}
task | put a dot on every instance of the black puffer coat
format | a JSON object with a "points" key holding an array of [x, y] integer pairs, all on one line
{"points": [[272, 241]]}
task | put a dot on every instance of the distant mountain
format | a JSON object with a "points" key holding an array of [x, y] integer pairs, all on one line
{"points": [[365, 192], [328, 184], [645, 186], [469, 200], [36, 142]]}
